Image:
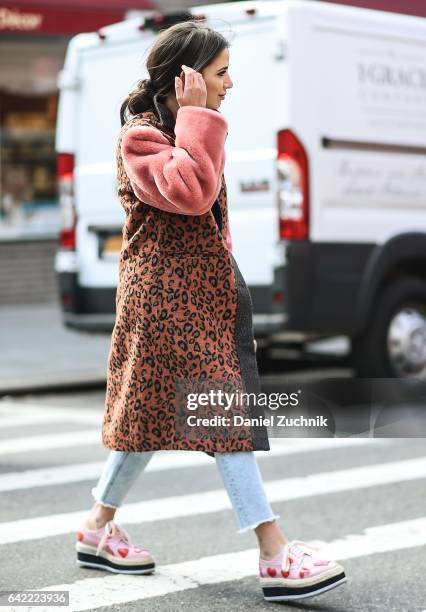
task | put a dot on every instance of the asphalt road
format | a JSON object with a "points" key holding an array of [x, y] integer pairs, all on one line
{"points": [[363, 499]]}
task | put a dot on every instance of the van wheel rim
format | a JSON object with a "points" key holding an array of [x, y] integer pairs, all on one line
{"points": [[406, 342]]}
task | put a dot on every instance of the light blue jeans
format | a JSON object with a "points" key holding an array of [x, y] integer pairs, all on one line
{"points": [[239, 471]]}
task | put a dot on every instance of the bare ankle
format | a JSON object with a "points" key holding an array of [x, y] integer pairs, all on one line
{"points": [[99, 516], [95, 523], [269, 551], [271, 540]]}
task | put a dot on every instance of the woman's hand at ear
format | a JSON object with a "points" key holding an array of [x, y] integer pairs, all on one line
{"points": [[190, 88]]}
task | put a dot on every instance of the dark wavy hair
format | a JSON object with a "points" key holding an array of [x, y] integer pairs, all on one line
{"points": [[192, 43]]}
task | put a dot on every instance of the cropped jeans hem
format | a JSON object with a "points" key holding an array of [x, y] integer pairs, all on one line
{"points": [[270, 519], [239, 472]]}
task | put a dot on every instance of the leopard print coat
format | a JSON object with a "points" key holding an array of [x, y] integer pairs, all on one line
{"points": [[175, 329]]}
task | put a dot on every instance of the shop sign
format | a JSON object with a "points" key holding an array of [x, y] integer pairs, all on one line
{"points": [[43, 20], [14, 20]]}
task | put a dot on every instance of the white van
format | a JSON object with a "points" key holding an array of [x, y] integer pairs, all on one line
{"points": [[325, 170]]}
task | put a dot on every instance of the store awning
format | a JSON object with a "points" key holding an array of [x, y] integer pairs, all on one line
{"points": [[406, 7], [411, 7], [72, 16], [123, 5], [68, 18]]}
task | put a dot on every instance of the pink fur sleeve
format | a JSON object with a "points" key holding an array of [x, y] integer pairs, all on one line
{"points": [[185, 178]]}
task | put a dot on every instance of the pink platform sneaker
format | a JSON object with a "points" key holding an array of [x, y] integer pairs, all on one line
{"points": [[109, 548], [298, 572]]}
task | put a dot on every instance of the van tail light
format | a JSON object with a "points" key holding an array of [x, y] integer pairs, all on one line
{"points": [[65, 177], [292, 187]]}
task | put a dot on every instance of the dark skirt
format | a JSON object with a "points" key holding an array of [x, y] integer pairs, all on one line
{"points": [[244, 340]]}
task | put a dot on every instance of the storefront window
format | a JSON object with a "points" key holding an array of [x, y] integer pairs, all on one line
{"points": [[28, 108]]}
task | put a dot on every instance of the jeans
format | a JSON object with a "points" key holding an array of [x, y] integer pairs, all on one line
{"points": [[239, 471]]}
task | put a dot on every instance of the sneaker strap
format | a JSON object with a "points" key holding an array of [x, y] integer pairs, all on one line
{"points": [[112, 529]]}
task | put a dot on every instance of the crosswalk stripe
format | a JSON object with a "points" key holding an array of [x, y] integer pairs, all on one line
{"points": [[93, 593], [217, 500], [48, 441], [168, 460], [24, 412], [25, 420]]}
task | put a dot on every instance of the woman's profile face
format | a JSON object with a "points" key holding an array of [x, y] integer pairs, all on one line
{"points": [[217, 79]]}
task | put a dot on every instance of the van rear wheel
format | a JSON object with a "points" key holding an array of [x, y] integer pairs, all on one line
{"points": [[393, 345]]}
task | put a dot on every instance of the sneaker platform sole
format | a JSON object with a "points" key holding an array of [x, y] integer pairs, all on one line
{"points": [[280, 593], [98, 562]]}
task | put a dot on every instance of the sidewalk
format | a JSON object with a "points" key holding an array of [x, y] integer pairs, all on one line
{"points": [[39, 352]]}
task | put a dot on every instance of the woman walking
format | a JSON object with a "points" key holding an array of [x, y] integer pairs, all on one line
{"points": [[184, 316]]}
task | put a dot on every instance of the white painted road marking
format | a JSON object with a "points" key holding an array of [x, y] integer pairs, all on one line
{"points": [[93, 593], [167, 508], [48, 441], [25, 420], [26, 412], [33, 414], [165, 460]]}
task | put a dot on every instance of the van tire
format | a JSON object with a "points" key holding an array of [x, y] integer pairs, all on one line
{"points": [[371, 357]]}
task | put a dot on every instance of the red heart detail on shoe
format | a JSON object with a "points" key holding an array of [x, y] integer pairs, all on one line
{"points": [[123, 552], [285, 574], [80, 536], [272, 571]]}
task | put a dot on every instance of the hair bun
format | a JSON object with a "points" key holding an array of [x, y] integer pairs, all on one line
{"points": [[149, 86]]}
